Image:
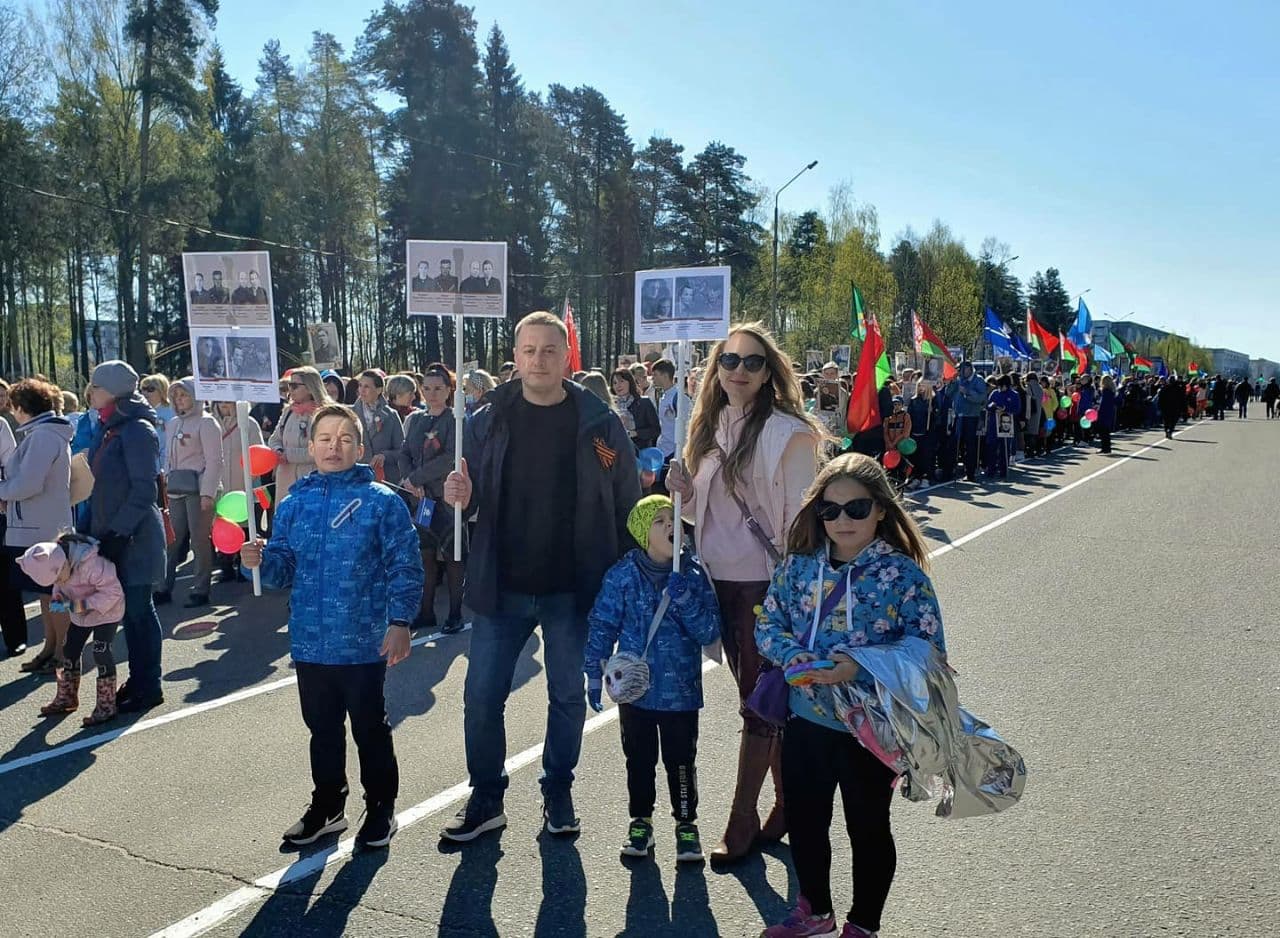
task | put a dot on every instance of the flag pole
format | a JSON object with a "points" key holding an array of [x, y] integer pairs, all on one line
{"points": [[242, 421], [459, 413], [682, 423]]}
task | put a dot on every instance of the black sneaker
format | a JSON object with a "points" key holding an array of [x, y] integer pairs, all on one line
{"points": [[317, 822], [134, 703], [196, 600], [557, 813], [688, 844], [379, 825], [452, 625], [639, 838], [478, 817], [161, 598]]}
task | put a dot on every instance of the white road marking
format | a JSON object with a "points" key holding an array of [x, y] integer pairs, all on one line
{"points": [[225, 908], [97, 739]]}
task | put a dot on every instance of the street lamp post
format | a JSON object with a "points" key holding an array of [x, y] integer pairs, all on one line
{"points": [[152, 346], [777, 316]]}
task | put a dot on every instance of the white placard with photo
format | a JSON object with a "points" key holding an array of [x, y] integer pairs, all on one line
{"points": [[326, 351], [842, 355], [456, 278], [231, 318], [813, 360], [682, 303]]}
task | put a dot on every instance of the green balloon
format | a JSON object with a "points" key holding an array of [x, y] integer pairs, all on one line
{"points": [[1085, 423], [846, 443], [907, 446], [1064, 402], [233, 507]]}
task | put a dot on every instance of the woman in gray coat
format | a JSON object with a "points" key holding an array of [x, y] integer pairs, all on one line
{"points": [[36, 497], [383, 431]]}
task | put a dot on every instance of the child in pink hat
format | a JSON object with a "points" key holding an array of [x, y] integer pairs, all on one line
{"points": [[84, 584]]}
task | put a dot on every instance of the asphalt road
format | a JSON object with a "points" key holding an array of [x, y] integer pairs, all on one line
{"points": [[1113, 617]]}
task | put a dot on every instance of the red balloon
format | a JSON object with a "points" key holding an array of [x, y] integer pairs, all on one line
{"points": [[892, 458], [1075, 397], [1062, 413], [262, 459], [263, 497], [227, 536]]}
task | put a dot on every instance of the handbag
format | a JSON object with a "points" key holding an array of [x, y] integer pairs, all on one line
{"points": [[626, 675], [183, 482], [771, 698]]}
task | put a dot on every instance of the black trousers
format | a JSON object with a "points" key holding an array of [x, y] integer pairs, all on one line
{"points": [[13, 617], [103, 656], [329, 693], [1104, 437], [1170, 423], [815, 761], [677, 733]]}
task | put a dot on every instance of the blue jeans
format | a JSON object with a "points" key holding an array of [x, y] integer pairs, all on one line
{"points": [[143, 636], [496, 644]]}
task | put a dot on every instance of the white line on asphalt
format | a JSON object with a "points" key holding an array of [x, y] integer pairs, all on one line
{"points": [[225, 908], [228, 906], [97, 739]]}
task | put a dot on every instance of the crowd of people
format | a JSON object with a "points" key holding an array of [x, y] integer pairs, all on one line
{"points": [[801, 552]]}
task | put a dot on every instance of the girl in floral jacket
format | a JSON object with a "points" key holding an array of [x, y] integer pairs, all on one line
{"points": [[853, 576]]}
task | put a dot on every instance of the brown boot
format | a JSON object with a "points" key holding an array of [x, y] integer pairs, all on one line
{"points": [[67, 697], [106, 706], [775, 826], [744, 819]]}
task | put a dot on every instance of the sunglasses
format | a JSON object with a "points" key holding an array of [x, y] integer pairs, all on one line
{"points": [[730, 361], [859, 509]]}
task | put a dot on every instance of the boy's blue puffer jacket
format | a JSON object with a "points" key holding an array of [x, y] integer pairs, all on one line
{"points": [[347, 546], [622, 614]]}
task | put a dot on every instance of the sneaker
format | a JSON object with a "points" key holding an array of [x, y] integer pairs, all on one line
{"points": [[639, 838], [557, 813], [317, 822], [688, 844], [452, 625], [135, 703], [379, 825], [478, 817], [802, 923], [856, 931]]}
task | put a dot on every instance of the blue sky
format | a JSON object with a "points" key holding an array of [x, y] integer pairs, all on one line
{"points": [[1133, 145]]}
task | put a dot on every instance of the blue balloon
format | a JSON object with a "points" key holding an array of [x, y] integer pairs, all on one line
{"points": [[650, 459], [1049, 424]]}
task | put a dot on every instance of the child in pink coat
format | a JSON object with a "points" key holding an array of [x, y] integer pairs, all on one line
{"points": [[84, 584]]}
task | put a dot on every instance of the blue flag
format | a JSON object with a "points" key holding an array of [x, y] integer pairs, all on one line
{"points": [[997, 333], [1161, 370], [1082, 332], [1020, 345], [1101, 355]]}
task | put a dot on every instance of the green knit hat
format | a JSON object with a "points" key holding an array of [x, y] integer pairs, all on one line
{"points": [[641, 518]]}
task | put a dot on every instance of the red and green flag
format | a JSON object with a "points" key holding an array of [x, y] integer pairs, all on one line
{"points": [[1074, 353], [1193, 368], [1044, 340], [873, 372], [857, 314], [928, 343], [1142, 364]]}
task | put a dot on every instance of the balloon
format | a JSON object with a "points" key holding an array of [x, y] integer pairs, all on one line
{"points": [[263, 497], [262, 459], [1085, 423], [892, 458], [1062, 413], [233, 507], [846, 443], [1075, 397], [1091, 415], [1064, 402], [1049, 424], [227, 536], [907, 446], [650, 459]]}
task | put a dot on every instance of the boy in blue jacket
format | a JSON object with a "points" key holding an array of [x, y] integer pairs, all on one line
{"points": [[347, 546], [667, 712]]}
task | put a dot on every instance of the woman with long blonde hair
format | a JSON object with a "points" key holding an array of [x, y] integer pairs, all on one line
{"points": [[751, 453]]}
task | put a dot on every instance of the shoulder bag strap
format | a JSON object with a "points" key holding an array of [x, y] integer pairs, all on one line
{"points": [[752, 524], [657, 620]]}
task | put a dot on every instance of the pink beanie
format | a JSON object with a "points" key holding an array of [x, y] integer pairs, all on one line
{"points": [[43, 562]]}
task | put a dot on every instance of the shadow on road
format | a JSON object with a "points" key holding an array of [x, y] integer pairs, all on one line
{"points": [[468, 905], [563, 912], [295, 910]]}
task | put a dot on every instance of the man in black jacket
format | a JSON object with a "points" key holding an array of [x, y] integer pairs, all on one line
{"points": [[554, 476]]}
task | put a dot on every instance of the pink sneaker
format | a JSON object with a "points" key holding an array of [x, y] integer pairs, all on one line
{"points": [[855, 931], [802, 923]]}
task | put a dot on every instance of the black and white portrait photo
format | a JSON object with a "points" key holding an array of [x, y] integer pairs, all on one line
{"points": [[249, 359]]}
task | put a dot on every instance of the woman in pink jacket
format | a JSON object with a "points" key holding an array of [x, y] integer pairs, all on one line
{"points": [[84, 584], [752, 452]]}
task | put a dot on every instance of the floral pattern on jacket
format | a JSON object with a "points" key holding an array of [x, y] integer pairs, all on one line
{"points": [[621, 617], [892, 598]]}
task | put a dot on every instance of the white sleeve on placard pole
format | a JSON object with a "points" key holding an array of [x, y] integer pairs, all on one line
{"points": [[459, 413], [682, 416], [242, 421]]}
